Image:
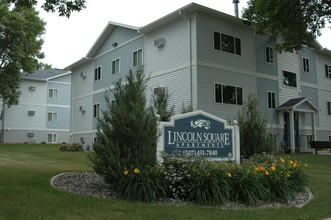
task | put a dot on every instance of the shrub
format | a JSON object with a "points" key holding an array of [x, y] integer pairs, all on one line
{"points": [[160, 103], [127, 131], [145, 185], [254, 136], [71, 147]]}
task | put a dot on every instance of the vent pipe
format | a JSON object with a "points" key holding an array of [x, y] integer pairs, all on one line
{"points": [[236, 13]]}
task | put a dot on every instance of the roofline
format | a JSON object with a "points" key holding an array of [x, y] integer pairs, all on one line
{"points": [[188, 9], [307, 99], [104, 34], [45, 79], [62, 74], [78, 63]]}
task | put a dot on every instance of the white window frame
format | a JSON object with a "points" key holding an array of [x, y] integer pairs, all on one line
{"points": [[53, 118], [53, 138], [235, 40], [115, 66], [305, 64], [137, 58], [53, 93], [222, 93], [97, 73], [269, 54], [96, 114], [273, 103]]}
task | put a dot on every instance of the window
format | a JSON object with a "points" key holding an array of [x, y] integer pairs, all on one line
{"points": [[328, 71], [51, 138], [228, 94], [227, 43], [289, 79], [305, 62], [269, 54], [97, 73], [53, 93], [271, 100], [329, 107], [137, 58], [52, 116], [96, 110], [115, 66]]}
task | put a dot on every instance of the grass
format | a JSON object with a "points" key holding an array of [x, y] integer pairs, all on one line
{"points": [[25, 191]]}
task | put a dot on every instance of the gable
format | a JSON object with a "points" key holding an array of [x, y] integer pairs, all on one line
{"points": [[118, 36]]}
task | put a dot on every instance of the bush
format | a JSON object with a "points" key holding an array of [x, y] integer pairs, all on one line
{"points": [[145, 185], [254, 136], [127, 132], [71, 147]]}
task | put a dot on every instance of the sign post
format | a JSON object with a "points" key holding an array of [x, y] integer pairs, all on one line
{"points": [[202, 134]]}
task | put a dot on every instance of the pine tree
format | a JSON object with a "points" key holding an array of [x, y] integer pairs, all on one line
{"points": [[127, 133], [254, 136], [160, 103]]}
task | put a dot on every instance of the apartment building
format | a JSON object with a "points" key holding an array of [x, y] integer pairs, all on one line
{"points": [[211, 61], [43, 112]]}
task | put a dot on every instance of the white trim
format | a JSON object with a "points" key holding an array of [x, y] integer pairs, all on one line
{"points": [[84, 132], [119, 66]]}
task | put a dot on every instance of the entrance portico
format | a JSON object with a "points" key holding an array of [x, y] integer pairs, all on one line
{"points": [[291, 108]]}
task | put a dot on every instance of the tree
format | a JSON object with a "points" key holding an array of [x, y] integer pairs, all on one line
{"points": [[254, 136], [297, 22], [20, 46], [160, 103], [127, 132], [63, 7]]}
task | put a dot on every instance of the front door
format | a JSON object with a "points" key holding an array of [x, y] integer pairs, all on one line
{"points": [[287, 130]]}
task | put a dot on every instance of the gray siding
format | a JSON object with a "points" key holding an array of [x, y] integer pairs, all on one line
{"points": [[64, 94], [119, 35], [261, 65], [206, 26], [263, 87], [125, 54], [309, 77], [207, 77]]}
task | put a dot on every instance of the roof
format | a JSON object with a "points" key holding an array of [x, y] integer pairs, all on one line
{"points": [[303, 104], [99, 42], [44, 74], [190, 8]]}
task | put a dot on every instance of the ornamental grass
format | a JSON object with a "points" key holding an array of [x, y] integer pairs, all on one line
{"points": [[261, 178]]}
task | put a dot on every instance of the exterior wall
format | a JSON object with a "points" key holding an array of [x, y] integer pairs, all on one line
{"points": [[261, 65], [324, 96], [309, 77], [19, 124], [288, 62], [169, 65], [263, 87], [119, 35]]}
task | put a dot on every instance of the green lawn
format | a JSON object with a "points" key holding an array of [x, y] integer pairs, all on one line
{"points": [[25, 191]]}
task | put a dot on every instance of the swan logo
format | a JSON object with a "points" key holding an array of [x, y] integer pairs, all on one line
{"points": [[201, 123]]}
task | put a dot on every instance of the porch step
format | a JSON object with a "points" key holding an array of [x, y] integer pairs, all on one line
{"points": [[305, 150]]}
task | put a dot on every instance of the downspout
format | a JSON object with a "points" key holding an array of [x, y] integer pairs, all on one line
{"points": [[190, 56]]}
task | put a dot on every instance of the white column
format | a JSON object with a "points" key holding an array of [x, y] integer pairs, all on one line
{"points": [[292, 141], [313, 126]]}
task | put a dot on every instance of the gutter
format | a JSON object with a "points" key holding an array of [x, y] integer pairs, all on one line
{"points": [[190, 55]]}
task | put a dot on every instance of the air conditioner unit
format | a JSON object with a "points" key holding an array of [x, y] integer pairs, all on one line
{"points": [[159, 42], [30, 134], [31, 112], [82, 108], [159, 90], [32, 88], [83, 75]]}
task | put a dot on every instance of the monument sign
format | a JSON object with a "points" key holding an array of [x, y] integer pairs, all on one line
{"points": [[200, 133]]}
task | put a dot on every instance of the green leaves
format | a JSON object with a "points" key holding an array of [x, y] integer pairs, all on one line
{"points": [[20, 48], [296, 22]]}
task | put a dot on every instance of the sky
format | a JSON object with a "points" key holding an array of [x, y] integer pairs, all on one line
{"points": [[69, 39]]}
